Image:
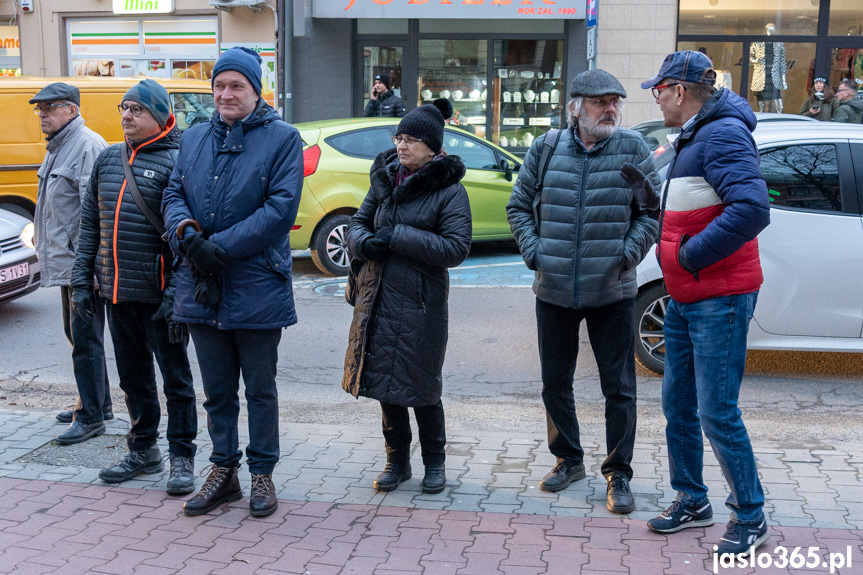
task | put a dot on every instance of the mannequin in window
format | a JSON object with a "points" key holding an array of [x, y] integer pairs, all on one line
{"points": [[769, 69]]}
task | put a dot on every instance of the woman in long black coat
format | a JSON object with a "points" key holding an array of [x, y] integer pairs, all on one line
{"points": [[414, 224]]}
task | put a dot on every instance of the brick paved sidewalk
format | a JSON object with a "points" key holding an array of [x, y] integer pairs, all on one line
{"points": [[491, 519]]}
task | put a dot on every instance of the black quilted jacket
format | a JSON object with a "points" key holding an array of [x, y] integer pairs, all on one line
{"points": [[117, 242], [398, 336]]}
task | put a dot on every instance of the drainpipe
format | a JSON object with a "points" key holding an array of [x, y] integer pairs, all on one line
{"points": [[286, 39]]}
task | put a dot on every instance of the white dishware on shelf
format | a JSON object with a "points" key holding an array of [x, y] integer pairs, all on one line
{"points": [[527, 140], [445, 94], [507, 97], [555, 96], [504, 142], [457, 95], [483, 95], [516, 96], [529, 96], [474, 95], [543, 98], [426, 94], [527, 74]]}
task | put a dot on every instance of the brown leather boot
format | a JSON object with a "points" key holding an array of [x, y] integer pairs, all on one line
{"points": [[263, 500], [221, 486]]}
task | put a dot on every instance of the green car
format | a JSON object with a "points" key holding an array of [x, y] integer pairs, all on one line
{"points": [[338, 155]]}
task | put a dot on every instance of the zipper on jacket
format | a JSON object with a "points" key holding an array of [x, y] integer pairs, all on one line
{"points": [[578, 231]]}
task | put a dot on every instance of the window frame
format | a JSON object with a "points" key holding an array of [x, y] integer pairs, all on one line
{"points": [[329, 140]]}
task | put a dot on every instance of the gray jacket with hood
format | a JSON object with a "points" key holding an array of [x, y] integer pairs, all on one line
{"points": [[64, 180], [590, 232]]}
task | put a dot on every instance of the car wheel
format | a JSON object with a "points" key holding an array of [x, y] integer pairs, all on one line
{"points": [[650, 306], [19, 210], [329, 247]]}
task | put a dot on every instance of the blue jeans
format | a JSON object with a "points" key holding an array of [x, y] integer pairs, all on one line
{"points": [[705, 355]]}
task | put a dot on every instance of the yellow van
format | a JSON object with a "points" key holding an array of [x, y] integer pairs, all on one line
{"points": [[22, 144]]}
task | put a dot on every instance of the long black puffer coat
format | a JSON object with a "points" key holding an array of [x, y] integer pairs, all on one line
{"points": [[398, 336]]}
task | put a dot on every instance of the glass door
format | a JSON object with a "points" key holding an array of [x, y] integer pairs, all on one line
{"points": [[382, 59]]}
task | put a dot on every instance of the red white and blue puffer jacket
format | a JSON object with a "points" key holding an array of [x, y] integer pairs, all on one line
{"points": [[715, 204]]}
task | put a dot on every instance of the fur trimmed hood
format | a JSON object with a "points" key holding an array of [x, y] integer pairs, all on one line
{"points": [[440, 173]]}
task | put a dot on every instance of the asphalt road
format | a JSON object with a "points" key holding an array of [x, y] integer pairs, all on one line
{"points": [[491, 375]]}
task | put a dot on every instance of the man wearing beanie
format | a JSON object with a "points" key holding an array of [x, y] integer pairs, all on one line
{"points": [[384, 103], [583, 229], [63, 180], [229, 208], [121, 242]]}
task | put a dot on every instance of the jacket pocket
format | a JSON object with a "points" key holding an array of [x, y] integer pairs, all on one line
{"points": [[277, 264]]}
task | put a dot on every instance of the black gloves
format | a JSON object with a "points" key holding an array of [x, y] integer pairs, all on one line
{"points": [[642, 188], [683, 260], [177, 332], [385, 234], [375, 249], [84, 303], [205, 255], [207, 290]]}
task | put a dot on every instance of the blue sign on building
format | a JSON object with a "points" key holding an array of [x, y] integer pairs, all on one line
{"points": [[592, 7]]}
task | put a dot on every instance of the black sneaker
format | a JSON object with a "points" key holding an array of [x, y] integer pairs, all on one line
{"points": [[682, 516], [619, 497], [182, 478], [739, 539], [563, 474], [133, 464]]}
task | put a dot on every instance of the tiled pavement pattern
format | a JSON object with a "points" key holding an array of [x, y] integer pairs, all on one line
{"points": [[491, 519]]}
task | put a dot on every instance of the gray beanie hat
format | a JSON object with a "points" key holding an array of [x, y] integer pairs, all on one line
{"points": [[152, 96], [594, 83]]}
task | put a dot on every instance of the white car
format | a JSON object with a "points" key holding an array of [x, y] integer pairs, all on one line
{"points": [[19, 268], [811, 253]]}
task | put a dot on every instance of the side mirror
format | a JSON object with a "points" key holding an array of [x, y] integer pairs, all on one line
{"points": [[507, 169]]}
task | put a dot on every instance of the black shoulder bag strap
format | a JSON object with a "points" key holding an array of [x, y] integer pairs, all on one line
{"points": [[548, 146], [154, 220]]}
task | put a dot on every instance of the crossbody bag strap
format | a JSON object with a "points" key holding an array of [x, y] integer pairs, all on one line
{"points": [[151, 216], [548, 146]]}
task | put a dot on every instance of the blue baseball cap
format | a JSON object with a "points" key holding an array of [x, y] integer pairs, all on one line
{"points": [[686, 66]]}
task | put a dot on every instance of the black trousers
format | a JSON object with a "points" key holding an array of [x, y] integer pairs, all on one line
{"points": [[397, 433], [222, 356], [137, 338], [88, 359], [610, 330]]}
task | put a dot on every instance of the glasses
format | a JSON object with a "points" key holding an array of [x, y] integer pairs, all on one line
{"points": [[48, 108], [406, 139], [844, 89], [656, 90], [134, 110], [602, 103]]}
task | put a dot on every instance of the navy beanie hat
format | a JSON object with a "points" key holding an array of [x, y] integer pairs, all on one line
{"points": [[152, 96], [243, 60], [426, 123]]}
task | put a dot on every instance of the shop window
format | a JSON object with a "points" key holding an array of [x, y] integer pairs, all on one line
{"points": [[727, 17], [780, 75], [803, 177], [528, 95], [846, 63], [363, 143], [727, 58], [456, 70], [192, 108], [382, 60], [846, 18], [194, 69]]}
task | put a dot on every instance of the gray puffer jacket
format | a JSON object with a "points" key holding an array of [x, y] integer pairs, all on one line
{"points": [[591, 232]]}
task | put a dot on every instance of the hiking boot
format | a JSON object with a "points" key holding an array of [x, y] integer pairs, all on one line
{"points": [[182, 478], [739, 539], [222, 486], [78, 432], [134, 464], [682, 515], [392, 475], [619, 497], [68, 416], [263, 501], [561, 476], [435, 478]]}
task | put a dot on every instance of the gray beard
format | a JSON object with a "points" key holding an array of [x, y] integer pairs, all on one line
{"points": [[595, 129]]}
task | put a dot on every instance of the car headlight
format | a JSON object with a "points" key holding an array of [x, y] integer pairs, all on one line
{"points": [[27, 235]]}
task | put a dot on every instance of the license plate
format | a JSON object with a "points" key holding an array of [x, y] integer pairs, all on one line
{"points": [[14, 272]]}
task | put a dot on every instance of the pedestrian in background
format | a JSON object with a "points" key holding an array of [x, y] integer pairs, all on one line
{"points": [[383, 102], [121, 242], [229, 208], [583, 233], [821, 103], [850, 109], [414, 223], [714, 206], [64, 178]]}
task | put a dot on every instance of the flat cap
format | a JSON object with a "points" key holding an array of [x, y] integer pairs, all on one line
{"points": [[596, 83], [57, 91]]}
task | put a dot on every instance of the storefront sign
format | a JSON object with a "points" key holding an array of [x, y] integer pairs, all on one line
{"points": [[507, 9], [143, 6], [10, 51]]}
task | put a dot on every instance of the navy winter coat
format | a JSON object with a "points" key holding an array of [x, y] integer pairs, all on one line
{"points": [[242, 184], [398, 336]]}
